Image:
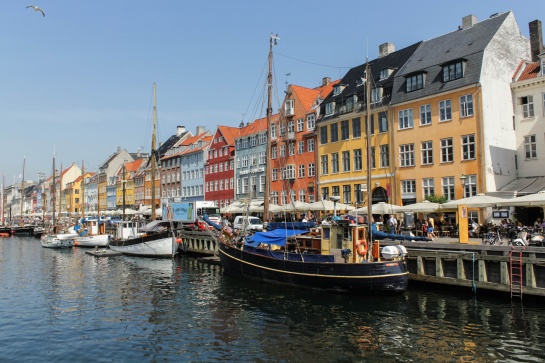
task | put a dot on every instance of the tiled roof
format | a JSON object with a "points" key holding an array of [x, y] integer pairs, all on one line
{"points": [[258, 125], [133, 165], [308, 96], [530, 70], [229, 133]]}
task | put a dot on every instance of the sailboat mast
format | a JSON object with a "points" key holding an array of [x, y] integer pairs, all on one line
{"points": [[368, 138], [2, 193], [53, 193], [60, 193], [153, 152], [22, 190], [82, 190], [272, 41]]}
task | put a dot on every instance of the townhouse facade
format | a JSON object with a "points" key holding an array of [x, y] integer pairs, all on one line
{"points": [[219, 169]]}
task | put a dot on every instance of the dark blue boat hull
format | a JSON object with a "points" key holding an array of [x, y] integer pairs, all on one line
{"points": [[385, 277]]}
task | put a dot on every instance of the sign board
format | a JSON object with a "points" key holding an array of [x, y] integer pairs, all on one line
{"points": [[364, 187]]}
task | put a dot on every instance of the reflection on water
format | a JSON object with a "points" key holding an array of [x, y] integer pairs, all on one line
{"points": [[66, 306]]}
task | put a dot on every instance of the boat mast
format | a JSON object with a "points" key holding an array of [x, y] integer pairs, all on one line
{"points": [[60, 193], [22, 190], [153, 154], [368, 138], [272, 41], [2, 193], [53, 193], [82, 190]]}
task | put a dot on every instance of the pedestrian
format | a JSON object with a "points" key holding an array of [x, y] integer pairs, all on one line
{"points": [[393, 224], [431, 233]]}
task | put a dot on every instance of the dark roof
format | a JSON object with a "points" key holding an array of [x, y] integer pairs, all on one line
{"points": [[352, 79], [464, 44]]}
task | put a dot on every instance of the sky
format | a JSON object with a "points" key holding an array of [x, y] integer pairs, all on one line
{"points": [[78, 83]]}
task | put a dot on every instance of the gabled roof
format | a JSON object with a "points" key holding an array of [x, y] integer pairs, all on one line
{"points": [[308, 96], [466, 45], [132, 166], [205, 142], [259, 125], [527, 70], [229, 133]]}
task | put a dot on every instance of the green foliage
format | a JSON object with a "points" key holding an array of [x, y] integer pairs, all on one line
{"points": [[435, 199]]}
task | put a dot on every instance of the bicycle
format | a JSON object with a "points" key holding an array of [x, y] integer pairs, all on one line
{"points": [[495, 238]]}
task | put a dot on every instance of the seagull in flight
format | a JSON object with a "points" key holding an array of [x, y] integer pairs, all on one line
{"points": [[36, 9]]}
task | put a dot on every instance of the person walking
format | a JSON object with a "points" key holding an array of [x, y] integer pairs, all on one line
{"points": [[393, 224], [431, 232]]}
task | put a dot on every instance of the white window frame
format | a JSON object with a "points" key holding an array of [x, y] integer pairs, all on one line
{"points": [[425, 115], [405, 119], [468, 147], [426, 150], [447, 150], [428, 187], [530, 147], [406, 155], [466, 105], [445, 111]]}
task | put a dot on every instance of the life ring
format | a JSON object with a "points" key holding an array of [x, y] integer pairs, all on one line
{"points": [[361, 247]]}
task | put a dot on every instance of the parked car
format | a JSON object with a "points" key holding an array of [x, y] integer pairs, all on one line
{"points": [[244, 222]]}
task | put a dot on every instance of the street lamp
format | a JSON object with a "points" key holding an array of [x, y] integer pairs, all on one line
{"points": [[463, 181]]}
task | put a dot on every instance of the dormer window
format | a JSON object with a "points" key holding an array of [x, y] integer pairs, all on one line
{"points": [[329, 108], [385, 73], [453, 71], [414, 82], [289, 107], [376, 94], [338, 89]]}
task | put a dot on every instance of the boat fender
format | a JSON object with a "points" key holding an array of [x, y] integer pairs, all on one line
{"points": [[178, 240], [361, 247]]}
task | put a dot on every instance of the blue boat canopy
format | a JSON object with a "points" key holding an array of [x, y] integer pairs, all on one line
{"points": [[276, 237]]}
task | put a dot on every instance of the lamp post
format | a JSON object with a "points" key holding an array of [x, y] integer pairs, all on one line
{"points": [[463, 181]]}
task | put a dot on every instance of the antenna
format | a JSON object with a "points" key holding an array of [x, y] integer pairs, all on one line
{"points": [[287, 83]]}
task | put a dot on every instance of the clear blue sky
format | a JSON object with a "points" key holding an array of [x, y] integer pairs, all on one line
{"points": [[79, 80]]}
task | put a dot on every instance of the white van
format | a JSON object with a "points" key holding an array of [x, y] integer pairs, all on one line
{"points": [[243, 222]]}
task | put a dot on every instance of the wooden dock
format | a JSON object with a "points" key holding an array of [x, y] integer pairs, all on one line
{"points": [[213, 260]]}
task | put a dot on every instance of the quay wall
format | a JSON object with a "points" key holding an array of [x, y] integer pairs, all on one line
{"points": [[477, 266]]}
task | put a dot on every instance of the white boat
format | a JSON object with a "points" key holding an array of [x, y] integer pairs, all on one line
{"points": [[156, 239], [53, 241], [93, 234]]}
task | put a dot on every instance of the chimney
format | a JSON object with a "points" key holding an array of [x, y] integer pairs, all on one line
{"points": [[200, 130], [119, 149], [180, 130], [468, 21], [536, 40], [385, 49], [326, 81]]}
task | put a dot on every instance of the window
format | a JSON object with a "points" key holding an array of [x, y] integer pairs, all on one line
{"points": [[356, 127], [344, 130], [384, 73], [376, 94], [274, 198], [347, 194], [284, 197], [384, 156], [527, 106], [382, 122], [427, 187], [274, 152], [300, 124], [288, 172], [346, 160], [415, 82], [311, 169], [335, 162], [445, 111], [358, 194], [337, 90], [357, 160], [325, 193], [288, 107], [324, 163], [466, 106], [408, 188], [335, 191], [310, 145], [282, 151], [425, 115], [302, 195], [273, 131], [311, 122], [373, 161], [291, 149], [300, 147], [253, 140], [405, 118], [262, 159], [453, 71], [334, 128], [468, 147], [275, 174], [323, 135], [301, 170], [283, 128], [448, 187], [530, 151], [447, 151], [427, 152], [291, 126], [470, 187], [262, 140], [406, 155], [329, 108]]}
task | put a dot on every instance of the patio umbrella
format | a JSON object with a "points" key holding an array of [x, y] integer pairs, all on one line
{"points": [[384, 208], [275, 208], [424, 206], [537, 199], [476, 201], [323, 205]]}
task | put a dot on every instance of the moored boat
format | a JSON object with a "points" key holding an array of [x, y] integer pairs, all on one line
{"points": [[54, 241], [155, 239], [93, 234]]}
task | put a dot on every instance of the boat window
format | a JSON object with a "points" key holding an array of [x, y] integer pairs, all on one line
{"points": [[326, 233]]}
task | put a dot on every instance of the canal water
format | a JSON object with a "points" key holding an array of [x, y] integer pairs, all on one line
{"points": [[67, 306]]}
